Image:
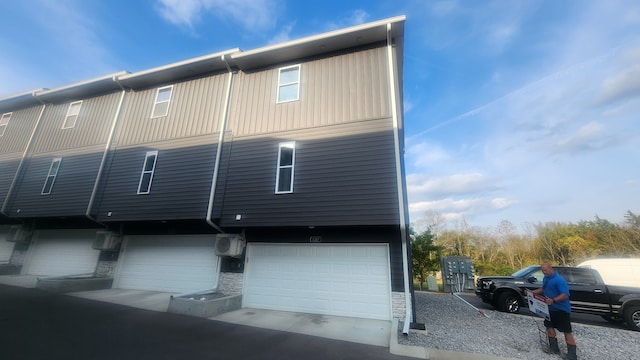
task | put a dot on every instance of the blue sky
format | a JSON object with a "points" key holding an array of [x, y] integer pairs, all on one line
{"points": [[527, 111]]}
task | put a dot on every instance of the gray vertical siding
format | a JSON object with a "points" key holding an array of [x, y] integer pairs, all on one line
{"points": [[17, 133], [344, 175], [334, 90], [8, 168], [195, 109], [91, 128]]}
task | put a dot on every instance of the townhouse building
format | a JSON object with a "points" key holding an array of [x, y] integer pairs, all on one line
{"points": [[275, 173]]}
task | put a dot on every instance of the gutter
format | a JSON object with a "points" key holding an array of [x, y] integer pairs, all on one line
{"points": [[403, 228], [105, 154], [223, 128], [24, 155]]}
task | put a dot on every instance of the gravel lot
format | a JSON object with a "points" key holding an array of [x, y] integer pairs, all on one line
{"points": [[455, 326]]}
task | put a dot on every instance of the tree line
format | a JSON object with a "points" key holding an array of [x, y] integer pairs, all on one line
{"points": [[502, 250]]}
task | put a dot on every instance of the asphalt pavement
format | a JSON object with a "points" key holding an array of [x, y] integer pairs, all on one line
{"points": [[35, 324]]}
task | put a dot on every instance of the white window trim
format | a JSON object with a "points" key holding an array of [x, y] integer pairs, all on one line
{"points": [[65, 124], [4, 123], [156, 102], [152, 171], [290, 145], [46, 191], [280, 85]]}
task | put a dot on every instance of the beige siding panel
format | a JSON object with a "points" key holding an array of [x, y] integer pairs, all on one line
{"points": [[16, 135], [91, 128], [334, 90], [195, 109]]}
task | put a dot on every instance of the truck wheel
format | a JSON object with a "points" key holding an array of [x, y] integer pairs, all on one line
{"points": [[509, 302], [632, 317]]}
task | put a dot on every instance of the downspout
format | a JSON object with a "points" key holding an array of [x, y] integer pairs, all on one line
{"points": [[24, 155], [105, 154], [399, 180], [223, 128]]}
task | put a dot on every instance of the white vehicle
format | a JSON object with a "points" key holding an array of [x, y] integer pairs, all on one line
{"points": [[616, 271]]}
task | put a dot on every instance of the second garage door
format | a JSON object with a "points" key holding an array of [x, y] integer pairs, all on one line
{"points": [[6, 247], [343, 280], [61, 252], [168, 263]]}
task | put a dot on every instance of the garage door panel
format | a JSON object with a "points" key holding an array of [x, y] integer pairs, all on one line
{"points": [[168, 263], [62, 252], [346, 280]]}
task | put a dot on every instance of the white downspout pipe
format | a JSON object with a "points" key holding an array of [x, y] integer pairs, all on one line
{"points": [[223, 128], [24, 155], [105, 154], [396, 140]]}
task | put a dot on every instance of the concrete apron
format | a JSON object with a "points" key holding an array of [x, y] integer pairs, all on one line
{"points": [[363, 331], [25, 281], [141, 299]]}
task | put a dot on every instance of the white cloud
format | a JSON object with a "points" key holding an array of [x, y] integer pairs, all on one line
{"points": [[283, 35], [254, 15], [424, 185], [624, 85], [454, 209]]}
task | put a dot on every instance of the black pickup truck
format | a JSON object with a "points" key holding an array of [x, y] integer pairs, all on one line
{"points": [[589, 294]]}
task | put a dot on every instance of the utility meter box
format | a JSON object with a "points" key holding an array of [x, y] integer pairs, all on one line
{"points": [[457, 273]]}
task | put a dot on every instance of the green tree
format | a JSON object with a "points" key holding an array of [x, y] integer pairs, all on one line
{"points": [[425, 255]]}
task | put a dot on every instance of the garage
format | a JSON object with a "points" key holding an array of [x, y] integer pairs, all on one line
{"points": [[61, 252], [175, 264], [343, 280]]}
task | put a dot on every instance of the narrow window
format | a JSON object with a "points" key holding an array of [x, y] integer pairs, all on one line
{"points": [[161, 105], [4, 121], [51, 177], [148, 168], [72, 115], [289, 84], [286, 162]]}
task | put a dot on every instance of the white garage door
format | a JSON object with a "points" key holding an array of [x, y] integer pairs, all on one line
{"points": [[343, 280], [6, 247], [61, 252], [168, 263]]}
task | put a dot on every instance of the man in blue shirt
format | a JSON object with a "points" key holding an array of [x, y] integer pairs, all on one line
{"points": [[555, 289]]}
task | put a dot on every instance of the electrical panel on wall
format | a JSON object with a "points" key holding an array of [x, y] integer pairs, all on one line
{"points": [[457, 273]]}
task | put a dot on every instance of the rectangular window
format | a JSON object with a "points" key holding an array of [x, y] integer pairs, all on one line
{"points": [[51, 177], [72, 115], [286, 163], [146, 177], [4, 121], [161, 105], [289, 84]]}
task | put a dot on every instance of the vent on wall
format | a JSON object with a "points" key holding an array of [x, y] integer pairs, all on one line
{"points": [[229, 245], [106, 240], [18, 234]]}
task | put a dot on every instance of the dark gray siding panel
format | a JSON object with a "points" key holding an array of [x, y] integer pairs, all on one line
{"points": [[180, 188], [16, 135], [71, 190], [91, 128], [8, 168], [339, 180]]}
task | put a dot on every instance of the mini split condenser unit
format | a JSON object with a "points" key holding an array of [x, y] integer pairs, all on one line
{"points": [[229, 245], [106, 240], [18, 234]]}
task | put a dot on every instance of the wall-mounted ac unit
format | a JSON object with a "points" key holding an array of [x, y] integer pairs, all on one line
{"points": [[18, 234], [229, 245], [106, 240]]}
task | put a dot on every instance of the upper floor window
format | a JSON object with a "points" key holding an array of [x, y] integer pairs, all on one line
{"points": [[289, 84], [286, 163], [146, 177], [4, 121], [161, 105], [72, 115], [51, 176]]}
